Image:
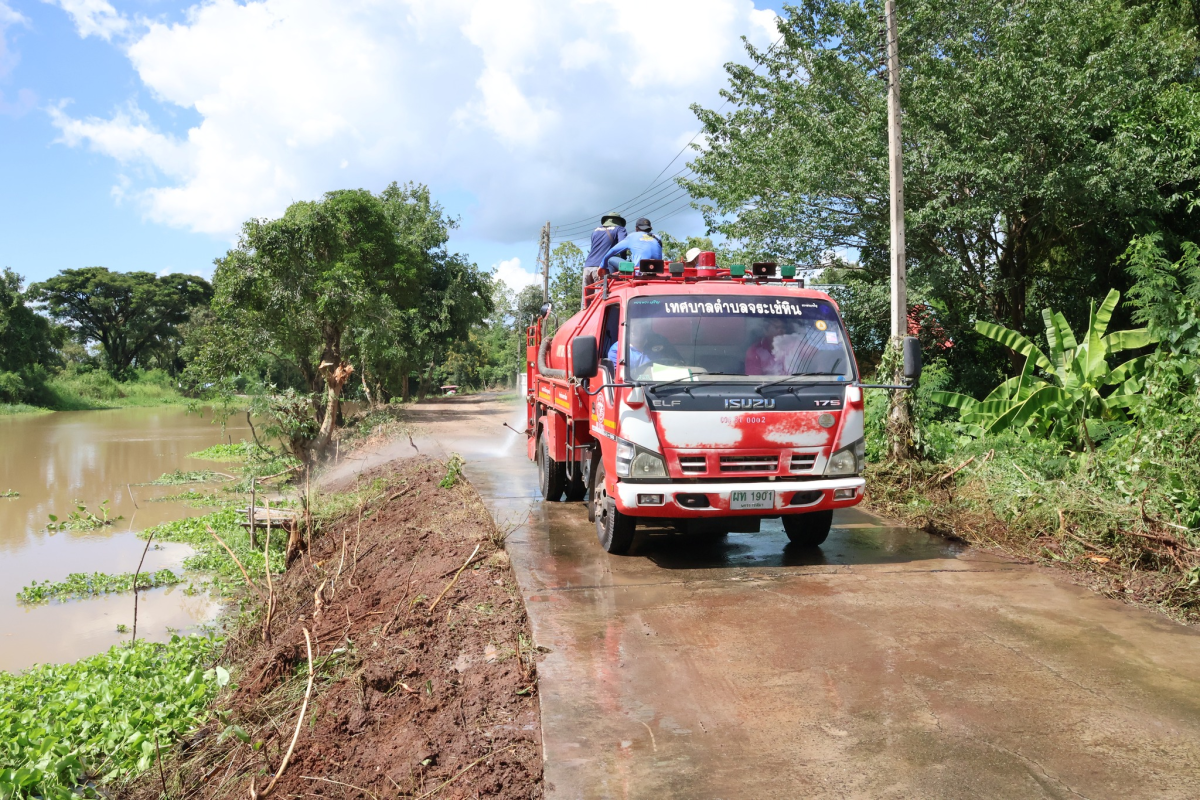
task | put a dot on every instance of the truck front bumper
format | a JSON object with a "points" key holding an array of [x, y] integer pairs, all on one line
{"points": [[683, 499]]}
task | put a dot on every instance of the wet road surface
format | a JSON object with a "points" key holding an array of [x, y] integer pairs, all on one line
{"points": [[891, 664]]}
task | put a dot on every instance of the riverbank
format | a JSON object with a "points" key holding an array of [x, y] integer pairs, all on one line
{"points": [[449, 685], [88, 391], [422, 670]]}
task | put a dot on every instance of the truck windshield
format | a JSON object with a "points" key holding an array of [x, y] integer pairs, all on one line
{"points": [[670, 338]]}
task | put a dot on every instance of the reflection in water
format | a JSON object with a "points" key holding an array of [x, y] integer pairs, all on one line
{"points": [[770, 547], [54, 460]]}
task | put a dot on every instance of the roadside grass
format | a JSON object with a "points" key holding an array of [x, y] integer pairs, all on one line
{"points": [[66, 727], [1111, 517], [373, 425]]}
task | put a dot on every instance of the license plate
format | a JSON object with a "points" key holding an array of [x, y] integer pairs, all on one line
{"points": [[741, 501]]}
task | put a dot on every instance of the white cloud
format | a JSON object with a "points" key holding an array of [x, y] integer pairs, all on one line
{"points": [[513, 275], [9, 17], [531, 109], [94, 17]]}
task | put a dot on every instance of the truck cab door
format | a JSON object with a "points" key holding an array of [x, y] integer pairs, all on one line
{"points": [[604, 405]]}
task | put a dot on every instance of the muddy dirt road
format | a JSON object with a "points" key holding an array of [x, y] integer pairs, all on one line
{"points": [[890, 664]]}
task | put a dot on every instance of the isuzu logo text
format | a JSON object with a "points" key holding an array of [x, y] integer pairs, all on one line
{"points": [[749, 403]]}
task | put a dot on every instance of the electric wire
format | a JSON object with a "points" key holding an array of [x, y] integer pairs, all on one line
{"points": [[670, 191], [569, 227], [591, 221]]}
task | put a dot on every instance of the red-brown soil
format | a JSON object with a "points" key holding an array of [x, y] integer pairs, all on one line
{"points": [[410, 700]]}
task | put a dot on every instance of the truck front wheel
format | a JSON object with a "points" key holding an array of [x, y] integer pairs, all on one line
{"points": [[613, 529], [808, 530], [552, 475]]}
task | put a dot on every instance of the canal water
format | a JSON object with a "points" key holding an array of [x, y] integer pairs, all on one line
{"points": [[56, 461]]}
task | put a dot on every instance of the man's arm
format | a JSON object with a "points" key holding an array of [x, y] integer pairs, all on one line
{"points": [[619, 247]]}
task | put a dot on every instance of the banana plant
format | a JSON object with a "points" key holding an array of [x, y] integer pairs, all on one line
{"points": [[1058, 394]]}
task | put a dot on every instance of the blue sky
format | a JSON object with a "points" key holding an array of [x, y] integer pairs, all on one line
{"points": [[138, 135]]}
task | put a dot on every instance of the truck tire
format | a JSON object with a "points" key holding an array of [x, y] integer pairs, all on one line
{"points": [[576, 486], [808, 530], [614, 529], [552, 476]]}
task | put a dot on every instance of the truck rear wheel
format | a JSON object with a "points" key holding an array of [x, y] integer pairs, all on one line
{"points": [[613, 529], [808, 530], [552, 476]]}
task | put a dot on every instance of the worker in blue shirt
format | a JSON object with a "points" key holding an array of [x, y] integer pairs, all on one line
{"points": [[610, 231], [643, 244]]}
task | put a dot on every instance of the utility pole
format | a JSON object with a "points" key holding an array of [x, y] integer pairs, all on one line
{"points": [[544, 260], [895, 177], [899, 427]]}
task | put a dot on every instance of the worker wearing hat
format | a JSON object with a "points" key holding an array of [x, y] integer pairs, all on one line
{"points": [[643, 244], [610, 231]]}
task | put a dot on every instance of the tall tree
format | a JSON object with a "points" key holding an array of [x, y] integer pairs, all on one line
{"points": [[27, 343], [1039, 135], [297, 284], [127, 313]]}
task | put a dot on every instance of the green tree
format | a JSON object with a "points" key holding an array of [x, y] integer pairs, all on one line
{"points": [[294, 287], [28, 342], [566, 279], [1038, 136], [128, 314]]}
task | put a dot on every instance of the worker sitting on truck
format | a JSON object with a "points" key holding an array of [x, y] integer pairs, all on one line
{"points": [[610, 231], [643, 244]]}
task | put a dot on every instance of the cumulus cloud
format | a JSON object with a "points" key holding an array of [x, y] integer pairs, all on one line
{"points": [[530, 109], [513, 275], [94, 17]]}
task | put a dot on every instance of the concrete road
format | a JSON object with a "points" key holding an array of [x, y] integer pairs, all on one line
{"points": [[891, 664]]}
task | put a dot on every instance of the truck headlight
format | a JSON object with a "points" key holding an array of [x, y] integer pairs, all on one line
{"points": [[648, 465], [847, 461], [634, 462]]}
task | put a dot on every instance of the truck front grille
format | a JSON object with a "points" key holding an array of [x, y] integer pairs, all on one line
{"points": [[749, 463], [693, 465], [803, 462]]}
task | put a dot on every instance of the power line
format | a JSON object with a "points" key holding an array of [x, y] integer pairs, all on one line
{"points": [[588, 219], [572, 225], [636, 212]]}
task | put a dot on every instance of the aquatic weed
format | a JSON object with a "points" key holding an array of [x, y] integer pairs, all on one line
{"points": [[64, 727]]}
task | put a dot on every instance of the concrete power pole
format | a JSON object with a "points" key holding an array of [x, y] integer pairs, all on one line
{"points": [[544, 259], [899, 427], [896, 177]]}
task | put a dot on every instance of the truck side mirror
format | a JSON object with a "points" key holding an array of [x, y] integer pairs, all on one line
{"points": [[585, 357], [912, 358]]}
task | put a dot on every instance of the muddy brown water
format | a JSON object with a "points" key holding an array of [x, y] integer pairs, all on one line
{"points": [[54, 460]]}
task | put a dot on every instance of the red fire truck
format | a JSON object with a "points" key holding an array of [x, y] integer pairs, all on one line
{"points": [[701, 400]]}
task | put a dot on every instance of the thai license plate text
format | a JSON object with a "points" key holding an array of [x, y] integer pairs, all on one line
{"points": [[741, 501]]}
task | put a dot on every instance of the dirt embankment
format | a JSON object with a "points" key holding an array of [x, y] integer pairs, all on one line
{"points": [[424, 673]]}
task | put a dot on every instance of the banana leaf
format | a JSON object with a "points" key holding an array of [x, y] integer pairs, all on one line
{"points": [[1134, 339], [1014, 341]]}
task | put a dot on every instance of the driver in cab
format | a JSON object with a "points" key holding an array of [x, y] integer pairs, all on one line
{"points": [[646, 348]]}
